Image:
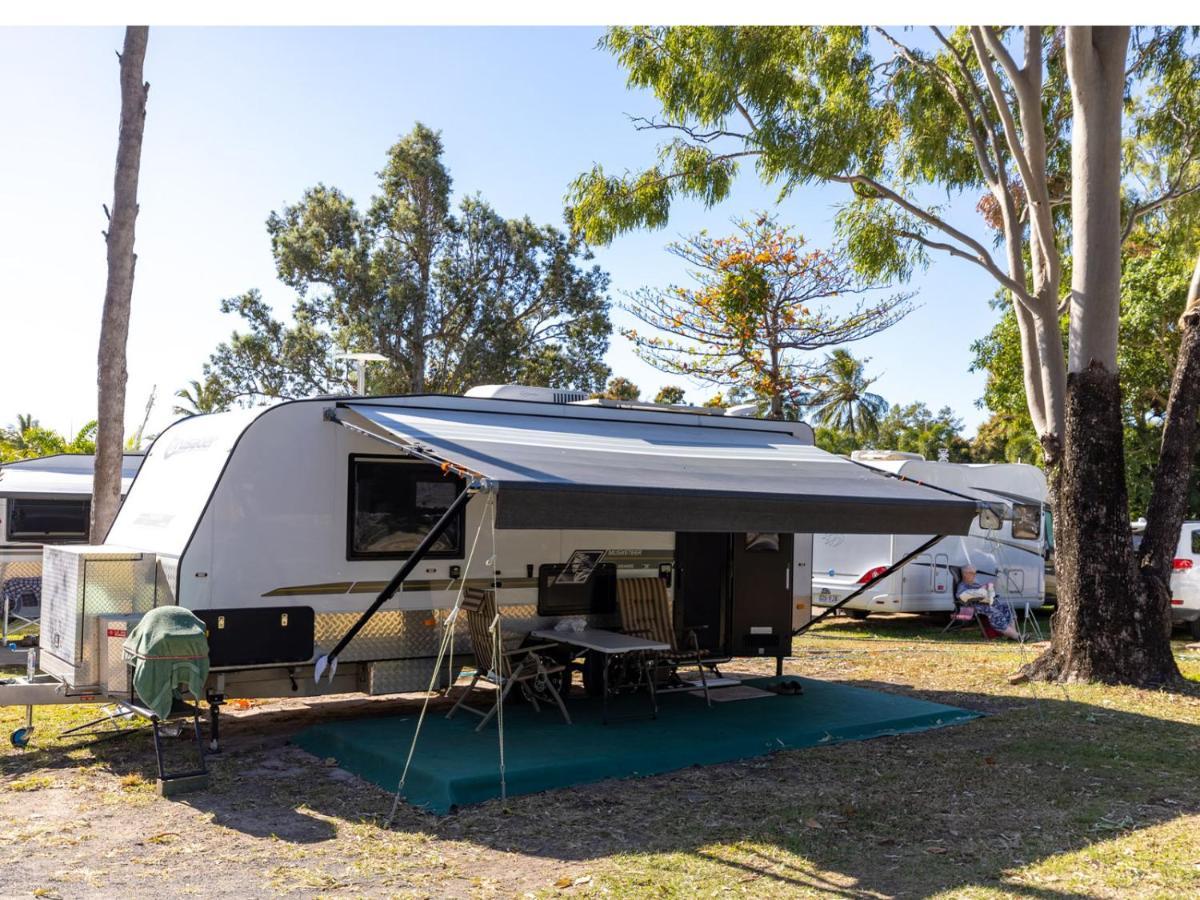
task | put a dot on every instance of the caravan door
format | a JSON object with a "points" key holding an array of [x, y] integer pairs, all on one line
{"points": [[702, 588], [761, 595]]}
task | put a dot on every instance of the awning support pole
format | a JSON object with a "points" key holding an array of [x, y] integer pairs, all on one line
{"points": [[878, 578], [329, 660]]}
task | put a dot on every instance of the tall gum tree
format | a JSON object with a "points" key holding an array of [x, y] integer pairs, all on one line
{"points": [[118, 293], [975, 111]]}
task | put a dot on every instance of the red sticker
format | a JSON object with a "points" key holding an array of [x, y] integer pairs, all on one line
{"points": [[117, 632]]}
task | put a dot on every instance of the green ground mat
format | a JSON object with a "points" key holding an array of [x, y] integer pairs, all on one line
{"points": [[454, 765]]}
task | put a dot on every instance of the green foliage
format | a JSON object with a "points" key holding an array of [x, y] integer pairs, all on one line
{"points": [[1007, 438], [842, 401], [915, 429], [452, 297], [1157, 267], [761, 300], [201, 398], [912, 429], [802, 102], [27, 439], [670, 394], [620, 388]]}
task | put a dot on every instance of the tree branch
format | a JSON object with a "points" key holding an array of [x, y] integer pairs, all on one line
{"points": [[981, 255], [1037, 196], [986, 165], [1143, 209]]}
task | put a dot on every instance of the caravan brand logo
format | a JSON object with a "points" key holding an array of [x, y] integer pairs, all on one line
{"points": [[188, 445]]}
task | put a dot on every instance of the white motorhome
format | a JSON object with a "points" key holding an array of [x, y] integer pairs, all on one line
{"points": [[283, 528], [1012, 555], [46, 500]]}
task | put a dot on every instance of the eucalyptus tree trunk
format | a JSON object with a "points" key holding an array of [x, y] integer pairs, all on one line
{"points": [[1107, 628], [114, 327], [1168, 500]]}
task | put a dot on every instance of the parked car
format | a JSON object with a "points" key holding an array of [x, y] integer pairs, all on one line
{"points": [[1185, 575]]}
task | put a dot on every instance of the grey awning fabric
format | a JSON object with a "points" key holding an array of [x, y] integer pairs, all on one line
{"points": [[604, 472]]}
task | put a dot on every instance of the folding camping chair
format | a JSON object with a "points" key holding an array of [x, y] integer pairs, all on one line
{"points": [[646, 612], [517, 666], [966, 613]]}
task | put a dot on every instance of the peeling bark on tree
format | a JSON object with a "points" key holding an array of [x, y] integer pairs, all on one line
{"points": [[114, 326], [1107, 627]]}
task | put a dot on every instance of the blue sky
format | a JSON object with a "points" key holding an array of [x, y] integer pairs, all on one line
{"points": [[241, 121]]}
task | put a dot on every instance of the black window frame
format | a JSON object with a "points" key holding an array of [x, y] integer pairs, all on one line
{"points": [[42, 537], [351, 554], [1195, 544]]}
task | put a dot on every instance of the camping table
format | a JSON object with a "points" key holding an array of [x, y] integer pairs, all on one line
{"points": [[608, 644]]}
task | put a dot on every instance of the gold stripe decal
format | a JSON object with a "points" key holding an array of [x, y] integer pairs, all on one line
{"points": [[335, 587], [374, 587], [623, 559]]}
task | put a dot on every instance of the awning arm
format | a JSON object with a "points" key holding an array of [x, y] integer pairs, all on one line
{"points": [[329, 660], [882, 575], [925, 484], [413, 450]]}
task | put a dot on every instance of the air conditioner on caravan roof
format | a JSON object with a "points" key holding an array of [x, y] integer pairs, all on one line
{"points": [[522, 392]]}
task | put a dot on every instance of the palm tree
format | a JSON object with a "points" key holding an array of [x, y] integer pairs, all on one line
{"points": [[842, 400], [200, 399], [13, 437]]}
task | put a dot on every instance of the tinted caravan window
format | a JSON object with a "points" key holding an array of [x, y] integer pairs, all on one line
{"points": [[393, 505], [58, 520], [1027, 522]]}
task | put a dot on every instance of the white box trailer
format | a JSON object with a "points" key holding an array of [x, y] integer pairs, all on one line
{"points": [[283, 528], [1011, 555]]}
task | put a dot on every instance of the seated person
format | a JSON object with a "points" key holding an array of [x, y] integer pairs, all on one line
{"points": [[998, 613]]}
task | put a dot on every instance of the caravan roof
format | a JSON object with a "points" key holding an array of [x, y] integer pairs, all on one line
{"points": [[62, 476], [1012, 481], [556, 466]]}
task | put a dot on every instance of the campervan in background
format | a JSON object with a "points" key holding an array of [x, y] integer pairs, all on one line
{"points": [[43, 501], [1012, 556]]}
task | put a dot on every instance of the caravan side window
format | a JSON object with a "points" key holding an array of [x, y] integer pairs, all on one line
{"points": [[393, 504], [60, 520], [1027, 522]]}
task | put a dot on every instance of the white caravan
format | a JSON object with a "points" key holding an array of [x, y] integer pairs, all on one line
{"points": [[43, 501], [1012, 555], [283, 529]]}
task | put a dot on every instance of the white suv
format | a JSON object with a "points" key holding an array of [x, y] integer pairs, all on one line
{"points": [[1185, 575]]}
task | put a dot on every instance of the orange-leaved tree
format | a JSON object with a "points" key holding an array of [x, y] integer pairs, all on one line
{"points": [[761, 301]]}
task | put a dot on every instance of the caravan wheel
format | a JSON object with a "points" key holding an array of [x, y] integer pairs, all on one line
{"points": [[858, 614], [1194, 629]]}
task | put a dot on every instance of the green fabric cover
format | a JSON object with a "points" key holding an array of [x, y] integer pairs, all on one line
{"points": [[168, 647], [455, 765]]}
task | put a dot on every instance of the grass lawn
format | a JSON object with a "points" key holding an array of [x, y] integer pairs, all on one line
{"points": [[1076, 791]]}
